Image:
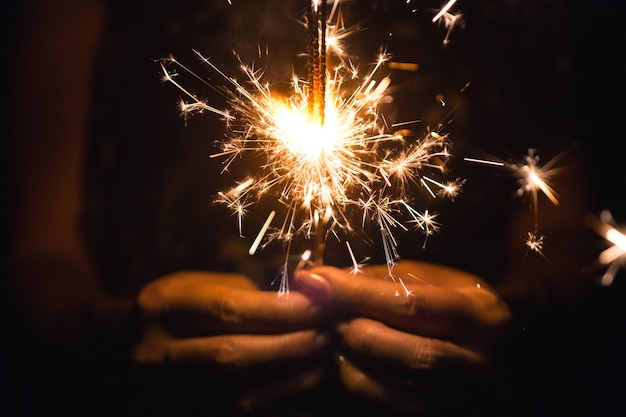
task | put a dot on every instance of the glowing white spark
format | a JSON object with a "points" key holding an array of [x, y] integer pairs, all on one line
{"points": [[534, 242], [533, 178], [259, 237], [449, 20], [613, 257], [444, 10], [356, 266]]}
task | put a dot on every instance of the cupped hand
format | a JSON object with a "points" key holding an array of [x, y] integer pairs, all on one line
{"points": [[411, 332], [261, 344]]}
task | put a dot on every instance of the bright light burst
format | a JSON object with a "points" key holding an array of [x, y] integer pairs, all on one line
{"points": [[532, 179], [614, 256], [449, 19], [325, 170]]}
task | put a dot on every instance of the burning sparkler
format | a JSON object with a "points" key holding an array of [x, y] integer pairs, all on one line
{"points": [[532, 179], [613, 257], [327, 150]]}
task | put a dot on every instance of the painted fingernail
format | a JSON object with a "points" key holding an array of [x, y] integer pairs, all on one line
{"points": [[313, 284]]}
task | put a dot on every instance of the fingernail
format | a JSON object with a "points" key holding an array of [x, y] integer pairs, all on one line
{"points": [[313, 285]]}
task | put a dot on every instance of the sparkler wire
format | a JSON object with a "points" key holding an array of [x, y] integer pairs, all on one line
{"points": [[317, 100]]}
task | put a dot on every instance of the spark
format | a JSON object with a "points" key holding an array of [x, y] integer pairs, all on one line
{"points": [[324, 165], [407, 292], [449, 20], [444, 10], [259, 237], [356, 266], [404, 66], [614, 256], [534, 242], [232, 199], [483, 161], [532, 179]]}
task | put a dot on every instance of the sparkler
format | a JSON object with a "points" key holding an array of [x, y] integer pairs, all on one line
{"points": [[613, 257], [328, 152], [532, 179], [317, 99]]}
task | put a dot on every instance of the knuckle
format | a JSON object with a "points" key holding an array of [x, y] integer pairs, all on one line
{"points": [[229, 311], [227, 355], [424, 356], [362, 337]]}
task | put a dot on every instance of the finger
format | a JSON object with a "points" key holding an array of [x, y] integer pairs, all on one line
{"points": [[202, 306], [190, 285], [239, 311], [402, 354], [439, 311], [358, 382], [414, 272], [230, 353], [191, 278], [461, 394]]}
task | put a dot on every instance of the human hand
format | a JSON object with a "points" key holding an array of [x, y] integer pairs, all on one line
{"points": [[411, 338], [259, 346]]}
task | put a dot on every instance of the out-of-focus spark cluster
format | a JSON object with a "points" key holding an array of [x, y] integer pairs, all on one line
{"points": [[614, 256], [332, 169], [446, 17], [449, 19], [532, 179]]}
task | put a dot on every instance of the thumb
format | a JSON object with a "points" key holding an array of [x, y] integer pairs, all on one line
{"points": [[313, 285]]}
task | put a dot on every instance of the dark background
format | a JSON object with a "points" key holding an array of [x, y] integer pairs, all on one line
{"points": [[543, 74]]}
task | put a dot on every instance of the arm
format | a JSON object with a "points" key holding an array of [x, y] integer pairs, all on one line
{"points": [[250, 346], [52, 277]]}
